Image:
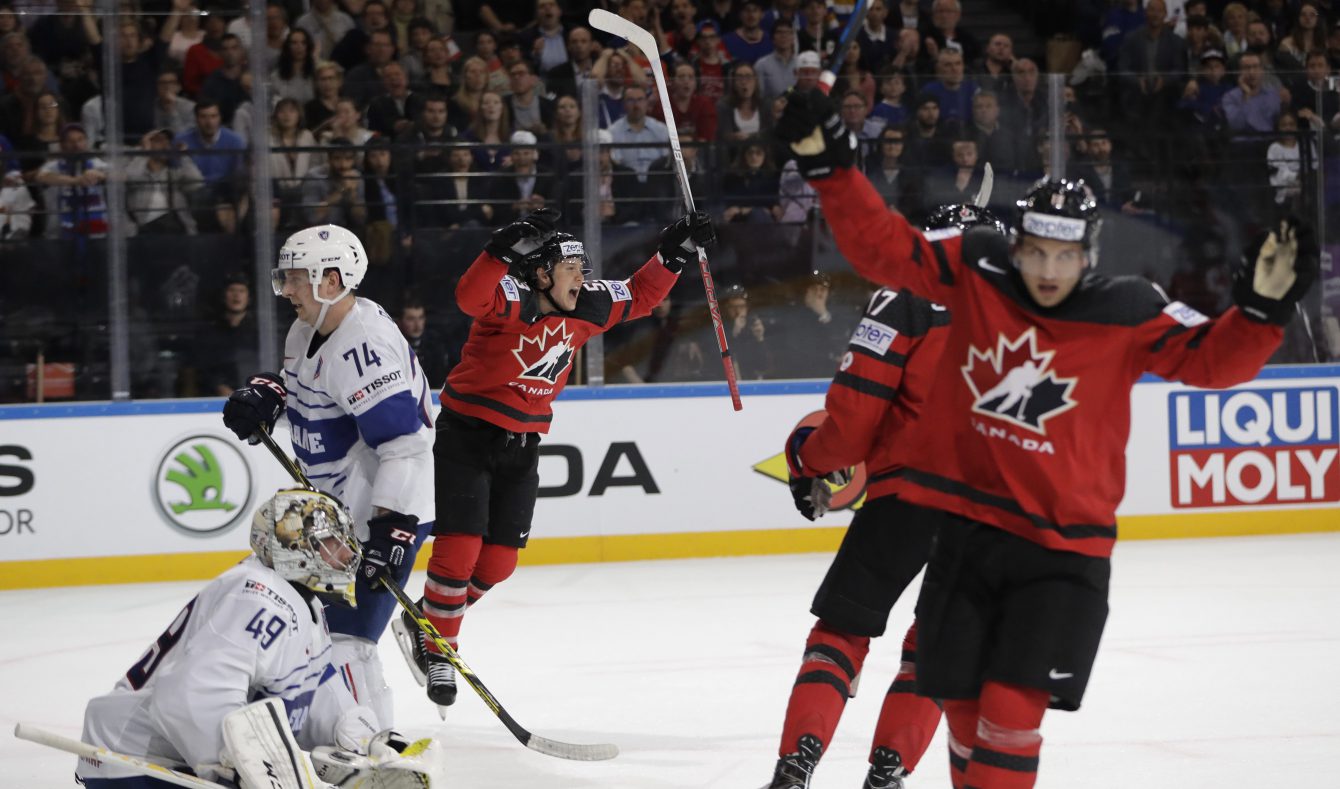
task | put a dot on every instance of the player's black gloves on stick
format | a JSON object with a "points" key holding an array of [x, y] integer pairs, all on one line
{"points": [[255, 407], [1276, 272], [813, 133], [811, 494], [681, 241], [512, 243], [390, 539]]}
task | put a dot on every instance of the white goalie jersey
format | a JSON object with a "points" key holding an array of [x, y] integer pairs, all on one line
{"points": [[248, 635], [360, 411]]}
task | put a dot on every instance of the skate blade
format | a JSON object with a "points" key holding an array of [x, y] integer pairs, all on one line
{"points": [[441, 712], [405, 640]]}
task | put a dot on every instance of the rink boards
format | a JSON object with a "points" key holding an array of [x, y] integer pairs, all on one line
{"points": [[120, 492]]}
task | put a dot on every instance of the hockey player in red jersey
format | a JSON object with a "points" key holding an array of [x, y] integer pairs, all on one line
{"points": [[877, 393], [533, 308], [1024, 430]]}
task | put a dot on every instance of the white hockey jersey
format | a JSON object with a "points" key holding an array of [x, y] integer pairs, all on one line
{"points": [[360, 411], [248, 635]]}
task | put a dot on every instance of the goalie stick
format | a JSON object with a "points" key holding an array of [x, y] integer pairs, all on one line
{"points": [[562, 750], [645, 41], [139, 764]]}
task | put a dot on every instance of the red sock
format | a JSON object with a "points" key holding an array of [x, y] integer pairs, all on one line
{"points": [[961, 716], [1005, 755], [906, 721], [449, 569], [496, 564], [831, 662]]}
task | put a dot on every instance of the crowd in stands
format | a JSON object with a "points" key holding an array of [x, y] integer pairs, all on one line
{"points": [[393, 117]]}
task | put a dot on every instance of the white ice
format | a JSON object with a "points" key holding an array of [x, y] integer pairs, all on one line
{"points": [[1220, 667]]}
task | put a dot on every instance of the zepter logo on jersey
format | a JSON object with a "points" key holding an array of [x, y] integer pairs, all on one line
{"points": [[545, 357], [1014, 383], [202, 485]]}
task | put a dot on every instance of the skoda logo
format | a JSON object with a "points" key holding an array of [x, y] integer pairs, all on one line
{"points": [[202, 485]]}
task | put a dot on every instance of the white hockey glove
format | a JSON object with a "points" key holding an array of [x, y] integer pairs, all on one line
{"points": [[392, 762]]}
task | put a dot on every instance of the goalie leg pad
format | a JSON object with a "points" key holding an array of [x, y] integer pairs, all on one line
{"points": [[259, 745]]}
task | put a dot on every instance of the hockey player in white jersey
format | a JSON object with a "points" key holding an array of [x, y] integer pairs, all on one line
{"points": [[359, 408], [245, 671]]}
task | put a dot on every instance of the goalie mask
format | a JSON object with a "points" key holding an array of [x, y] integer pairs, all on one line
{"points": [[308, 538]]}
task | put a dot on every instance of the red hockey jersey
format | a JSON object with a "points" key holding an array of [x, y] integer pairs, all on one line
{"points": [[880, 388], [516, 360], [1026, 424]]}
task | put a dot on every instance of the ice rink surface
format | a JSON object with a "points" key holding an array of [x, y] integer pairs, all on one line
{"points": [[1220, 667]]}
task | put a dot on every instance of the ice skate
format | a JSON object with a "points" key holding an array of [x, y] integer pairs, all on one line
{"points": [[441, 683], [886, 770], [793, 771], [411, 642]]}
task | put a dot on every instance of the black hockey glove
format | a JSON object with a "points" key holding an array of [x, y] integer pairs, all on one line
{"points": [[681, 241], [811, 495], [812, 132], [389, 547], [512, 243], [255, 407], [1277, 270]]}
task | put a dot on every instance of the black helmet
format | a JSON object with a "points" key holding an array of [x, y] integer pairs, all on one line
{"points": [[1064, 210], [964, 216], [559, 247]]}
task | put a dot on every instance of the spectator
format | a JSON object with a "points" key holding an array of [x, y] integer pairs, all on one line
{"points": [[750, 189], [394, 112], [1308, 36], [654, 350], [682, 31], [740, 115], [346, 124], [500, 16], [415, 56], [16, 208], [276, 33], [45, 135], [437, 77], [189, 32], [380, 193], [520, 186], [459, 200], [402, 14], [1200, 38], [363, 82], [141, 62], [878, 40], [1022, 108], [327, 24], [351, 51], [749, 41], [817, 35], [61, 40], [1204, 93], [329, 80], [1235, 29], [910, 15], [993, 70], [421, 152], [486, 49], [1312, 91], [788, 10], [217, 153], [663, 201], [492, 128], [227, 349], [954, 92], [1259, 43], [527, 106], [900, 188], [695, 115], [616, 185], [710, 58], [853, 76], [1283, 160], [636, 127], [746, 336], [428, 347], [1150, 63], [960, 183], [567, 130], [890, 110], [813, 335], [289, 168], [1110, 178], [855, 116], [474, 81], [18, 107], [997, 145], [807, 71], [909, 56], [562, 79], [1252, 106], [75, 193], [613, 71], [201, 58], [945, 33], [171, 109], [159, 189], [777, 69], [292, 78], [795, 195], [1122, 19], [928, 146], [15, 53], [724, 14], [333, 192], [224, 85], [544, 39]]}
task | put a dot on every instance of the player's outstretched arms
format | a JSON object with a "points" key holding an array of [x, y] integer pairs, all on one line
{"points": [[255, 407]]}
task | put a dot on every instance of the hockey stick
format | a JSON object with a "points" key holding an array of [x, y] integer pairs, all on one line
{"points": [[988, 183], [95, 754], [544, 745], [645, 41], [829, 77]]}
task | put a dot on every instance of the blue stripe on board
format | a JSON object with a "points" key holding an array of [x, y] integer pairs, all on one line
{"points": [[214, 405]]}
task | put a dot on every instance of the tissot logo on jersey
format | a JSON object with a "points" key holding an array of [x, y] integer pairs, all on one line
{"points": [[547, 356], [374, 385], [1014, 383], [1257, 446]]}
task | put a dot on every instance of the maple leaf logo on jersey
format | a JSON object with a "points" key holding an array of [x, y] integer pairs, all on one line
{"points": [[1013, 383], [544, 358]]}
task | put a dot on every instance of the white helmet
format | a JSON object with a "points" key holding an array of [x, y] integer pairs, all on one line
{"points": [[317, 249], [308, 537]]}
